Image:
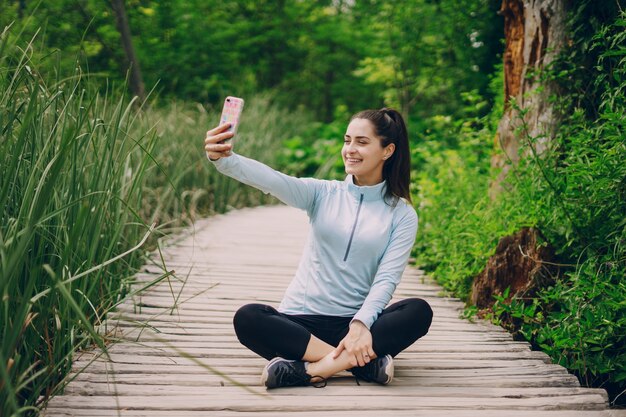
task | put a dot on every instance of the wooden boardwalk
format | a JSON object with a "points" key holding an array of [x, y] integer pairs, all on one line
{"points": [[458, 369]]}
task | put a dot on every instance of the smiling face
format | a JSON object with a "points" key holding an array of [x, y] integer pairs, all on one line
{"points": [[363, 154]]}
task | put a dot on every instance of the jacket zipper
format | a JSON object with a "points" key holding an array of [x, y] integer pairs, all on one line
{"points": [[356, 220]]}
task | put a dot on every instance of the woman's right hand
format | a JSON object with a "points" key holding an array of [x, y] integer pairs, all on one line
{"points": [[214, 149]]}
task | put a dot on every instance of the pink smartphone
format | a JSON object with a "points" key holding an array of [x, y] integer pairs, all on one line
{"points": [[233, 106]]}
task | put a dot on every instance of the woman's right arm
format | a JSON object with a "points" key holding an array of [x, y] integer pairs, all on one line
{"points": [[296, 192]]}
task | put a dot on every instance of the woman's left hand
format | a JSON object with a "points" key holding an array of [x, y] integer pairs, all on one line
{"points": [[358, 344]]}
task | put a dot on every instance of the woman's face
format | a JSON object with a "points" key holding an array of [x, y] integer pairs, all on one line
{"points": [[362, 153]]}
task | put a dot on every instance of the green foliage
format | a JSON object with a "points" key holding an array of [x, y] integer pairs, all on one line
{"points": [[413, 54], [451, 179], [424, 55], [583, 186], [575, 194], [316, 152], [585, 331]]}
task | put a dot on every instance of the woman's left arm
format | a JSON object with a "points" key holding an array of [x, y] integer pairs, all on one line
{"points": [[358, 341], [390, 269]]}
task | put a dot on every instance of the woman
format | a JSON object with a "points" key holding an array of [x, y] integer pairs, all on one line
{"points": [[333, 317]]}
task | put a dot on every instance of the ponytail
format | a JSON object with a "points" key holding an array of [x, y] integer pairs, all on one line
{"points": [[390, 128]]}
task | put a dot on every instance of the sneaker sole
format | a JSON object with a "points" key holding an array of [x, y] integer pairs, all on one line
{"points": [[389, 370], [264, 374]]}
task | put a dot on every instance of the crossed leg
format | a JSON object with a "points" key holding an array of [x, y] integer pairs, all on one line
{"points": [[322, 364], [270, 333]]}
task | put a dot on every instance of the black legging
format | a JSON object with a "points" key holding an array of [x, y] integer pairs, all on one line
{"points": [[269, 333]]}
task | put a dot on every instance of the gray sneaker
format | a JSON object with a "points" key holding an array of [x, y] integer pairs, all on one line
{"points": [[281, 372], [380, 370]]}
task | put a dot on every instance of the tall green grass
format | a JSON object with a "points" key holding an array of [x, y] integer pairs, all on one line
{"points": [[71, 179], [85, 179]]}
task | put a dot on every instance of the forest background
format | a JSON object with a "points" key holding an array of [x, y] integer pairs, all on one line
{"points": [[93, 173]]}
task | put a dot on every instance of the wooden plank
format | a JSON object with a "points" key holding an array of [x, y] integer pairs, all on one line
{"points": [[214, 328], [204, 335], [242, 402], [143, 314], [476, 358], [418, 363], [401, 371], [339, 391], [433, 380], [268, 401], [205, 347], [61, 412]]}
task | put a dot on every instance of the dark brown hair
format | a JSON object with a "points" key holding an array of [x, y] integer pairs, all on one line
{"points": [[390, 128]]}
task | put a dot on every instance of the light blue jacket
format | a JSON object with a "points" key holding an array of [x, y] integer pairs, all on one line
{"points": [[358, 246]]}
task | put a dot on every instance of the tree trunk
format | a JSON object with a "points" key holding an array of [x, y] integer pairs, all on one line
{"points": [[329, 80], [21, 8], [132, 63], [535, 34]]}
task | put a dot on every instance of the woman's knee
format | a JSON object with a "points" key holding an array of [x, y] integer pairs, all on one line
{"points": [[247, 317], [421, 312], [401, 325], [421, 307]]}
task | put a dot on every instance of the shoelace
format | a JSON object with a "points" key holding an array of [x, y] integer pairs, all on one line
{"points": [[306, 378], [316, 384], [365, 372]]}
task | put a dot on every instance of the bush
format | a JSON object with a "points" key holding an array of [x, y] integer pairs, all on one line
{"points": [[575, 194], [315, 152]]}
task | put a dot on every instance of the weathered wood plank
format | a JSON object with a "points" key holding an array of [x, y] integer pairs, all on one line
{"points": [[429, 356], [358, 413], [272, 402], [338, 391], [401, 371], [227, 328], [432, 379]]}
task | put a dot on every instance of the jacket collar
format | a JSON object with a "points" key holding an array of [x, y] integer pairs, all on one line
{"points": [[370, 192]]}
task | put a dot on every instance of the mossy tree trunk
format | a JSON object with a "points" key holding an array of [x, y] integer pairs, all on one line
{"points": [[535, 32]]}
